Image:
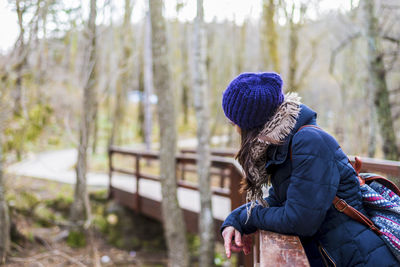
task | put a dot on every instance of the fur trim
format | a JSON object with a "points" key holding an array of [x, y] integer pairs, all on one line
{"points": [[278, 127], [275, 131], [282, 122]]}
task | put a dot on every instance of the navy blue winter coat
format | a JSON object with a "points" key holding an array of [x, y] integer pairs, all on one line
{"points": [[301, 198]]}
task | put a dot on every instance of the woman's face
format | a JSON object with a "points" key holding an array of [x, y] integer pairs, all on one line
{"points": [[238, 130]]}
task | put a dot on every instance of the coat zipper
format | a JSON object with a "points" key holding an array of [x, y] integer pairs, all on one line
{"points": [[326, 257]]}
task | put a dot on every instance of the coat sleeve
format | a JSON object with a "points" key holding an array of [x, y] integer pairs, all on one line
{"points": [[313, 185], [232, 219]]}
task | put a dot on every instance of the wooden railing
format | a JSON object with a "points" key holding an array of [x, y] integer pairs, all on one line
{"points": [[226, 169], [271, 249]]}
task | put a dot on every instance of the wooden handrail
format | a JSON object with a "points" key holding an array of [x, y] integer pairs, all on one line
{"points": [[222, 152], [218, 160], [281, 250], [385, 167]]}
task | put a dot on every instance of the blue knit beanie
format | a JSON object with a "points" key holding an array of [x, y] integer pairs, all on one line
{"points": [[252, 98]]}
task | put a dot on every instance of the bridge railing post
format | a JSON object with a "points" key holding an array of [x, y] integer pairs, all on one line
{"points": [[137, 173], [234, 187], [236, 200], [110, 170]]}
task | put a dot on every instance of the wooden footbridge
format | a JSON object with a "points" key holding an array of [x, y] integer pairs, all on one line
{"points": [[135, 184]]}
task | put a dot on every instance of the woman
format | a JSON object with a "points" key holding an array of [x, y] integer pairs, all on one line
{"points": [[306, 168]]}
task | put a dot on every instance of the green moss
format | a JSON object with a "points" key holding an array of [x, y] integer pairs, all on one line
{"points": [[128, 230], [61, 203], [30, 237], [219, 259], [23, 202], [27, 129], [44, 216], [99, 195], [194, 244], [76, 239], [100, 223]]}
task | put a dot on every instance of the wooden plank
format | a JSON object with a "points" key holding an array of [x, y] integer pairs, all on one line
{"points": [[215, 190], [134, 152], [234, 187], [123, 171], [137, 174], [192, 169], [278, 250], [152, 209], [124, 198], [222, 152]]}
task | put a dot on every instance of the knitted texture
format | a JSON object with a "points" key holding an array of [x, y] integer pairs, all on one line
{"points": [[252, 98], [383, 208]]}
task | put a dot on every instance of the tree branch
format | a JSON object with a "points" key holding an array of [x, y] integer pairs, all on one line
{"points": [[307, 68], [341, 46], [391, 39]]}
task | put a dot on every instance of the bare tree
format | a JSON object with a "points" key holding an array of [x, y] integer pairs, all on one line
{"points": [[21, 58], [80, 209], [123, 79], [295, 17], [4, 217], [206, 220], [377, 76], [173, 218], [148, 82], [269, 36]]}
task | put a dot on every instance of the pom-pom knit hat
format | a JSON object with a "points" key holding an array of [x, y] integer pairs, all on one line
{"points": [[252, 98]]}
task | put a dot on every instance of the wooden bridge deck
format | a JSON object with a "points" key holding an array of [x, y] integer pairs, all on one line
{"points": [[150, 190]]}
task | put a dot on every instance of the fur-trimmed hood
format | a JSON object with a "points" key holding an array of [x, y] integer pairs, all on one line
{"points": [[279, 153], [278, 127]]}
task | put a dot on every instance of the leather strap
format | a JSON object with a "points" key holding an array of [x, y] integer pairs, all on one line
{"points": [[342, 206]]}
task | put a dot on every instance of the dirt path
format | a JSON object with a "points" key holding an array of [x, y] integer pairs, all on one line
{"points": [[56, 166], [59, 165]]}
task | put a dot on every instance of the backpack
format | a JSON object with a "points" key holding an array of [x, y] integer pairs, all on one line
{"points": [[381, 201]]}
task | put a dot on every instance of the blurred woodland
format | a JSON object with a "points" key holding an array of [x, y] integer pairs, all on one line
{"points": [[84, 74], [330, 60]]}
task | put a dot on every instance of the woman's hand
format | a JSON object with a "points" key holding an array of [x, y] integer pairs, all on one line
{"points": [[233, 241]]}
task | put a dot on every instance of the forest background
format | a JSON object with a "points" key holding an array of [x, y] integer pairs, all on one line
{"points": [[67, 66]]}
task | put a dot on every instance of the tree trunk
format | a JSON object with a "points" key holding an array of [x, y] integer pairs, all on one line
{"points": [[293, 63], [123, 79], [371, 127], [95, 126], [173, 218], [206, 221], [377, 74], [185, 98], [80, 209], [148, 83], [140, 113], [4, 217], [21, 61], [270, 37]]}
